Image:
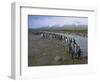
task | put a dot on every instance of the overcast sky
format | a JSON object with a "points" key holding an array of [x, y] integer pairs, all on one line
{"points": [[37, 21]]}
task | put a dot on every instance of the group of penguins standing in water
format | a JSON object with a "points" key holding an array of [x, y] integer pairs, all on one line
{"points": [[70, 43]]}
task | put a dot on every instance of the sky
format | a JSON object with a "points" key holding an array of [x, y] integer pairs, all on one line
{"points": [[37, 21]]}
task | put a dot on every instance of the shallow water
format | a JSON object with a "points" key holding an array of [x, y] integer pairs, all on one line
{"points": [[81, 41]]}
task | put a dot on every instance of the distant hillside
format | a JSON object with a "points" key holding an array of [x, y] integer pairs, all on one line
{"points": [[65, 27]]}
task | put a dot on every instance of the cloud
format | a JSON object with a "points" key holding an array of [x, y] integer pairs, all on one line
{"points": [[36, 21]]}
